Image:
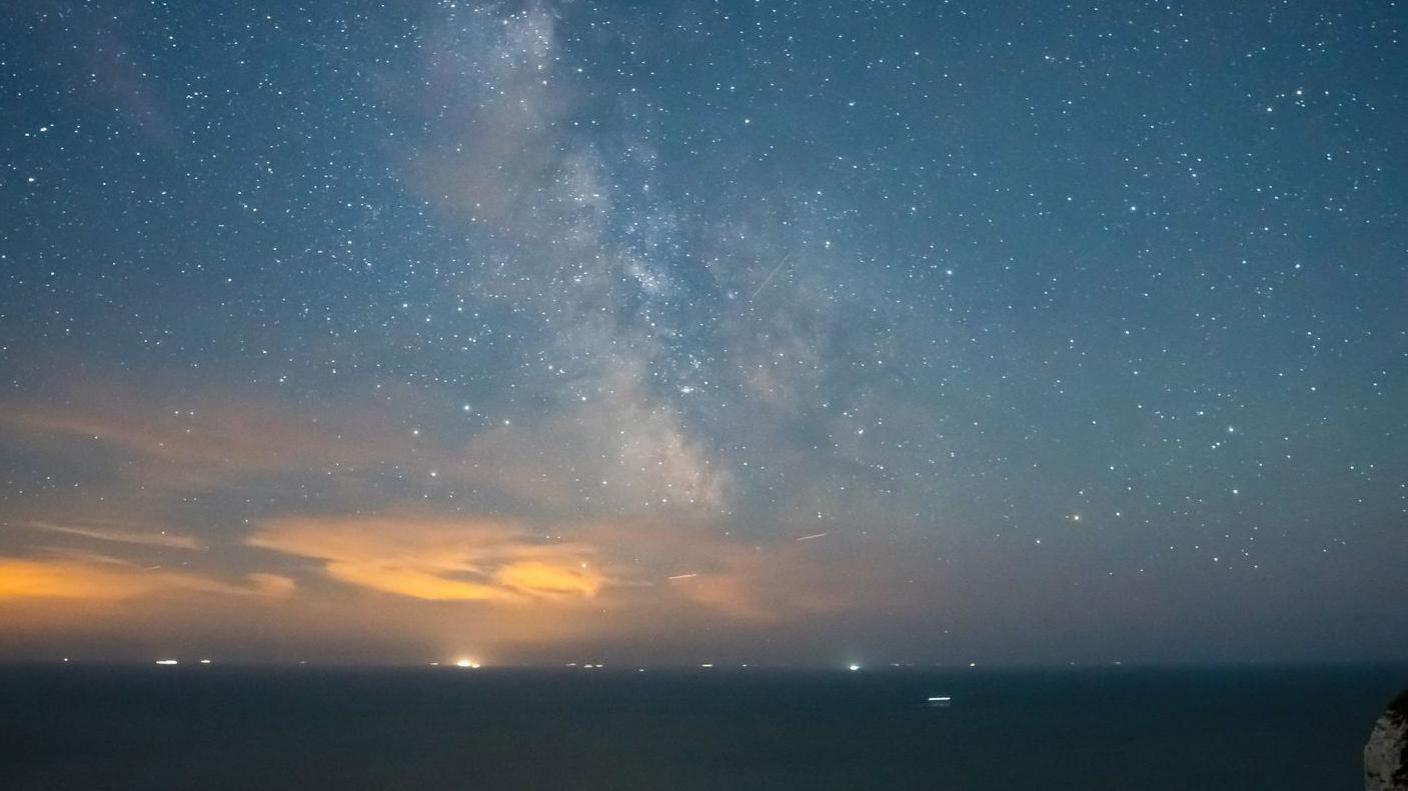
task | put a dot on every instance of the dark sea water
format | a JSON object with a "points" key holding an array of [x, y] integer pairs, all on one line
{"points": [[234, 728]]}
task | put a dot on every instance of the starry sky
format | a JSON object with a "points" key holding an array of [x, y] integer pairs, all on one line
{"points": [[782, 332]]}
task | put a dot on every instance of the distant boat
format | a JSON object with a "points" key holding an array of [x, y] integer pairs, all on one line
{"points": [[940, 701]]}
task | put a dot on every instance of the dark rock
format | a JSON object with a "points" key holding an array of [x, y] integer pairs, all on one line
{"points": [[1386, 754]]}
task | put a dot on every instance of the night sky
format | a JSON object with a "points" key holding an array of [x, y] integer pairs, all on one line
{"points": [[743, 331]]}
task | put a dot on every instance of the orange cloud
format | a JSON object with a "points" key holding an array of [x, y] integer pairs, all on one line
{"points": [[536, 576], [96, 577], [609, 583], [437, 559]]}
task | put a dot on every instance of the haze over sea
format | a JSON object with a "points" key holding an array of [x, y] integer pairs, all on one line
{"points": [[219, 727]]}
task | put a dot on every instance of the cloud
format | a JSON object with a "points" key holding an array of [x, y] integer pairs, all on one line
{"points": [[700, 570], [473, 582], [117, 533], [624, 565], [618, 449], [438, 559], [98, 577], [105, 420]]}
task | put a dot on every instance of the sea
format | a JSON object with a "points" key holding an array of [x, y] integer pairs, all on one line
{"points": [[224, 727]]}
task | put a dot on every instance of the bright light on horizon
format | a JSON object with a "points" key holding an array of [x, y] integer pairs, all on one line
{"points": [[469, 663], [166, 662], [853, 667]]}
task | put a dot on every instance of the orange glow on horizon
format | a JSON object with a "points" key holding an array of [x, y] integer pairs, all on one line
{"points": [[97, 577], [437, 560]]}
